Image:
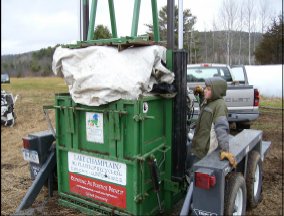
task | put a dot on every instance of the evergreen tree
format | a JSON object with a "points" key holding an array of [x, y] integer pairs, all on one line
{"points": [[270, 49], [188, 21], [101, 32]]}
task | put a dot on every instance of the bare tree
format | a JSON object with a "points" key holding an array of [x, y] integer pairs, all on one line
{"points": [[240, 27], [205, 45], [249, 9], [214, 26], [229, 13], [254, 28], [264, 14]]}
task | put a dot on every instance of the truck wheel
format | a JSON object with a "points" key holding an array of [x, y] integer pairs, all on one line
{"points": [[254, 179], [242, 125], [235, 195]]}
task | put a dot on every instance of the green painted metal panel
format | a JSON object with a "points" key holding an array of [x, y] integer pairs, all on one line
{"points": [[102, 154]]}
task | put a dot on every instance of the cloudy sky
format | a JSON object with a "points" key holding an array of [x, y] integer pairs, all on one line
{"points": [[28, 25]]}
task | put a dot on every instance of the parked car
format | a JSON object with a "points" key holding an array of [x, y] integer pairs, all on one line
{"points": [[242, 99], [5, 78]]}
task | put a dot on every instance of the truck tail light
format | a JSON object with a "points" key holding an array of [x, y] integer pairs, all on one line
{"points": [[206, 65], [204, 181], [26, 143], [256, 98]]}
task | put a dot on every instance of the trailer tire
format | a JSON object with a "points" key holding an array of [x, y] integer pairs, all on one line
{"points": [[235, 195], [254, 179]]}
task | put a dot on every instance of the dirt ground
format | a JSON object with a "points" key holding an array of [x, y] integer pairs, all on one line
{"points": [[15, 176]]}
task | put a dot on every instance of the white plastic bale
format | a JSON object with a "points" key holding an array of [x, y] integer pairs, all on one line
{"points": [[98, 75]]}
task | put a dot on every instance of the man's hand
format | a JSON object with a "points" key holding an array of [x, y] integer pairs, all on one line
{"points": [[230, 157], [198, 90]]}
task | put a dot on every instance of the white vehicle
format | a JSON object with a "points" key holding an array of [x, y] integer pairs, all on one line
{"points": [[8, 115], [242, 99]]}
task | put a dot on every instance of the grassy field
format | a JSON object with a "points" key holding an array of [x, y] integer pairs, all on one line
{"points": [[271, 102], [36, 92]]}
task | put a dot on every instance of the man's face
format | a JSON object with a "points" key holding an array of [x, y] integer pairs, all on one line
{"points": [[207, 92]]}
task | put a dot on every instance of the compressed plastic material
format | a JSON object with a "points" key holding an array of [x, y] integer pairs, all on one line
{"points": [[98, 75], [8, 115]]}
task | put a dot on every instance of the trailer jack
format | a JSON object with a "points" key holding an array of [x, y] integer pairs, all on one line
{"points": [[45, 173]]}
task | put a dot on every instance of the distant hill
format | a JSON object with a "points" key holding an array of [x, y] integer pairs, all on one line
{"points": [[35, 63], [207, 49]]}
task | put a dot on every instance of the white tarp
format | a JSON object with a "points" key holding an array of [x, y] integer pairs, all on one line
{"points": [[99, 74]]}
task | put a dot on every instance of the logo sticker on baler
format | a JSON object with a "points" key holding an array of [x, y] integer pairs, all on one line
{"points": [[101, 191], [95, 127], [98, 168]]}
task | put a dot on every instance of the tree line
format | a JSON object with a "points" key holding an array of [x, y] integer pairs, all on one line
{"points": [[235, 40]]}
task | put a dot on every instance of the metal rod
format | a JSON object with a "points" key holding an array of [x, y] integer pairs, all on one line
{"points": [[159, 202], [80, 19], [92, 20], [170, 24], [155, 21], [85, 18], [180, 24], [135, 18], [112, 19], [49, 123]]}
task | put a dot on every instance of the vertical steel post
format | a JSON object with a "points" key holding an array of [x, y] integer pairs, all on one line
{"points": [[179, 115], [135, 19], [170, 24], [112, 19], [155, 21], [85, 17], [80, 19], [92, 20], [180, 24]]}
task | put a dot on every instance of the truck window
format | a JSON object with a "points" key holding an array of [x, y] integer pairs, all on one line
{"points": [[199, 74], [238, 74]]}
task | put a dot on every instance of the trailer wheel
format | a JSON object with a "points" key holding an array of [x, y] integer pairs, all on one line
{"points": [[235, 195], [254, 179]]}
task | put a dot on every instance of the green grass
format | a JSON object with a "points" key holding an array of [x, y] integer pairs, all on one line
{"points": [[53, 84], [271, 102], [36, 90], [42, 89]]}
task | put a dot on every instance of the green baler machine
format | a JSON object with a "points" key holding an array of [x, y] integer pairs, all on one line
{"points": [[122, 157]]}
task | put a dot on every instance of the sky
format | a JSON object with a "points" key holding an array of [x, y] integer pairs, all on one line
{"points": [[34, 24]]}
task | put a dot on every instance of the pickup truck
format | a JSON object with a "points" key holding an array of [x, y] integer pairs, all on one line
{"points": [[242, 99]]}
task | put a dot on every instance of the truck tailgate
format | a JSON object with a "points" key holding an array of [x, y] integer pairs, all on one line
{"points": [[240, 97]]}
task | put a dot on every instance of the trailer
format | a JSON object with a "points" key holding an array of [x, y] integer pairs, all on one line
{"points": [[127, 157]]}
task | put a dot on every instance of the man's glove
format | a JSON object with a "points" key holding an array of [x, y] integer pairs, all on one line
{"points": [[230, 157], [198, 90]]}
